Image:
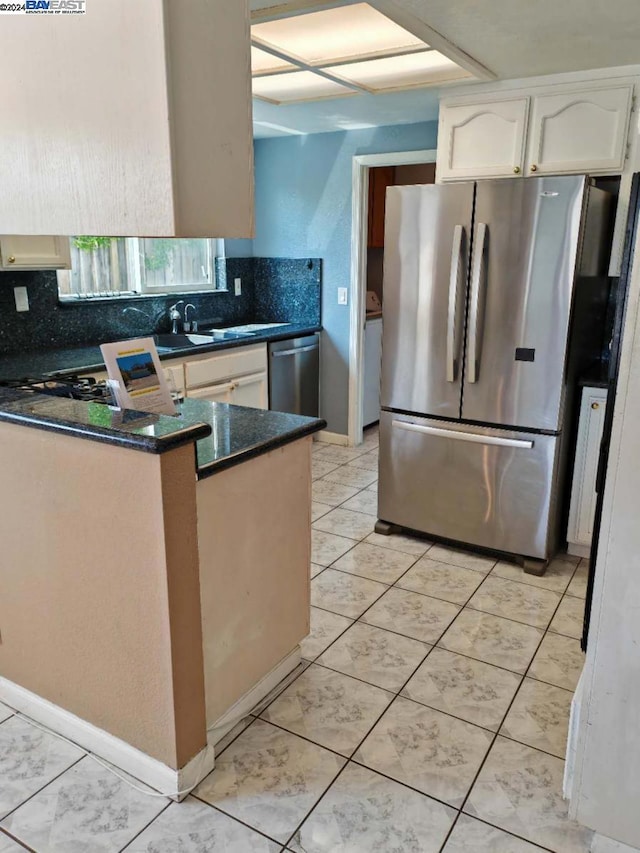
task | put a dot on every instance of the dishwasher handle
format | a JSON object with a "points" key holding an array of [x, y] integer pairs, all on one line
{"points": [[293, 351]]}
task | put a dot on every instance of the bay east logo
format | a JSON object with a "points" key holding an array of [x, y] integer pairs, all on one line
{"points": [[55, 7]]}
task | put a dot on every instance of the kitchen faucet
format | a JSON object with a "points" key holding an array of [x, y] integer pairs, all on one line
{"points": [[175, 316], [190, 326]]}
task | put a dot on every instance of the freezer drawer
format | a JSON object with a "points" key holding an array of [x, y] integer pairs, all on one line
{"points": [[492, 488]]}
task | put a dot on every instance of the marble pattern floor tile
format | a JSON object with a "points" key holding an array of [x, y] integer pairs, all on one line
{"points": [[364, 501], [569, 617], [365, 813], [5, 713], [347, 595], [325, 628], [474, 691], [539, 717], [341, 455], [559, 661], [517, 601], [378, 564], [315, 570], [319, 509], [359, 477], [441, 580], [578, 585], [519, 789], [87, 804], [414, 615], [332, 494], [193, 827], [400, 542], [230, 736], [270, 779], [464, 559], [279, 688], [430, 751], [29, 760], [8, 845], [368, 460], [472, 836], [320, 467], [327, 547], [329, 708], [374, 655], [556, 577], [346, 522], [492, 639]]}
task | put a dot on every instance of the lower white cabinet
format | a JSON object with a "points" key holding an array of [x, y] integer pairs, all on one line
{"points": [[372, 357], [583, 489], [34, 253], [237, 376]]}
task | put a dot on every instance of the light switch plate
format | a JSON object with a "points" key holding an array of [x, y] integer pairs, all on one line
{"points": [[342, 296], [22, 298], [237, 284]]}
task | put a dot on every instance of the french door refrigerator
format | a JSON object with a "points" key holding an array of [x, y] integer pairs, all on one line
{"points": [[478, 288]]}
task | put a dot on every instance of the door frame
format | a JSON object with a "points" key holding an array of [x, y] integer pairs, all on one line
{"points": [[357, 315]]}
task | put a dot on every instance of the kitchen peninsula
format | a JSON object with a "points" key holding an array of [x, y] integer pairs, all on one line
{"points": [[167, 588]]}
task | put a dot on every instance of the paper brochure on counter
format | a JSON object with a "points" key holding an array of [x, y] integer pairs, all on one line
{"points": [[136, 376]]}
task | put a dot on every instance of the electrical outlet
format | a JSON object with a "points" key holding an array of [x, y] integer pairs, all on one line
{"points": [[22, 298], [237, 284], [342, 296]]}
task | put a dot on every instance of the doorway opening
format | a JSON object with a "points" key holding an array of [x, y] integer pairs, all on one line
{"points": [[372, 174]]}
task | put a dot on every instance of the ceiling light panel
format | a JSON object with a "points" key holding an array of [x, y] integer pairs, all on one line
{"points": [[398, 72], [336, 35], [297, 86], [265, 63]]}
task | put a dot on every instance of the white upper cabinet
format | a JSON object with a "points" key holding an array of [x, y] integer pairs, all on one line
{"points": [[482, 140], [581, 131], [34, 253], [552, 130], [133, 119]]}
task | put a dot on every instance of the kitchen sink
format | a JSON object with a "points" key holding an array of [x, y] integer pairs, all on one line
{"points": [[250, 328], [180, 341]]}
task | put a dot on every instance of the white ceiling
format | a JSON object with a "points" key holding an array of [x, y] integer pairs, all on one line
{"points": [[511, 38]]}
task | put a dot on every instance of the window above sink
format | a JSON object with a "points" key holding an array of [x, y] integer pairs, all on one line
{"points": [[115, 267]]}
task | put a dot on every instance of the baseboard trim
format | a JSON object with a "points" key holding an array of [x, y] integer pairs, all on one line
{"points": [[333, 437], [577, 550], [251, 698], [107, 746], [603, 844]]}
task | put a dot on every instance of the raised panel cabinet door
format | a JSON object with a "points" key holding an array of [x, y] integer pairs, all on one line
{"points": [[220, 393], [584, 131], [583, 489], [482, 140], [34, 253], [251, 391]]}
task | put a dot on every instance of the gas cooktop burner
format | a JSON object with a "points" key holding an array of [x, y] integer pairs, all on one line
{"points": [[73, 387]]}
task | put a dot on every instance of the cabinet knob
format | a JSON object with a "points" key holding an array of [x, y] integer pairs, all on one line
{"points": [[516, 170], [534, 168], [11, 259], [595, 405]]}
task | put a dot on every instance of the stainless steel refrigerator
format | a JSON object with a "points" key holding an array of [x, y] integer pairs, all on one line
{"points": [[479, 282]]}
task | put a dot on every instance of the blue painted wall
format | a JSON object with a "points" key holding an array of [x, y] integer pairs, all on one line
{"points": [[303, 209]]}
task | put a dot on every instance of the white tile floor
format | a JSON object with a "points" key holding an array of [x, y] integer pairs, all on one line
{"points": [[430, 714]]}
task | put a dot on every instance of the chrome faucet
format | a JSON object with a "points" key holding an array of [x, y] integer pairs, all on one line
{"points": [[190, 326], [175, 316]]}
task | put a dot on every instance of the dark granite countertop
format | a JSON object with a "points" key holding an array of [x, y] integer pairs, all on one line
{"points": [[38, 363], [225, 435]]}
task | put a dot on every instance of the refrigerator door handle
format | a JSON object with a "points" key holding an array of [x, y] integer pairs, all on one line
{"points": [[456, 435], [452, 317], [475, 332]]}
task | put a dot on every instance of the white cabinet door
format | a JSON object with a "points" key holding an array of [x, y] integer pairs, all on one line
{"points": [[34, 253], [251, 391], [584, 130], [583, 489], [482, 140], [220, 393], [372, 357]]}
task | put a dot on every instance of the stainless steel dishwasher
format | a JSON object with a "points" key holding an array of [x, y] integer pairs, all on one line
{"points": [[294, 366]]}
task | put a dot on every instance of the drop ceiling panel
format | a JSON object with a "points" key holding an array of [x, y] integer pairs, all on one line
{"points": [[297, 86], [265, 63], [335, 35], [416, 69]]}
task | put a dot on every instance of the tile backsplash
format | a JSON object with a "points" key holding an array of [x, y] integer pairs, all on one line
{"points": [[272, 289]]}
